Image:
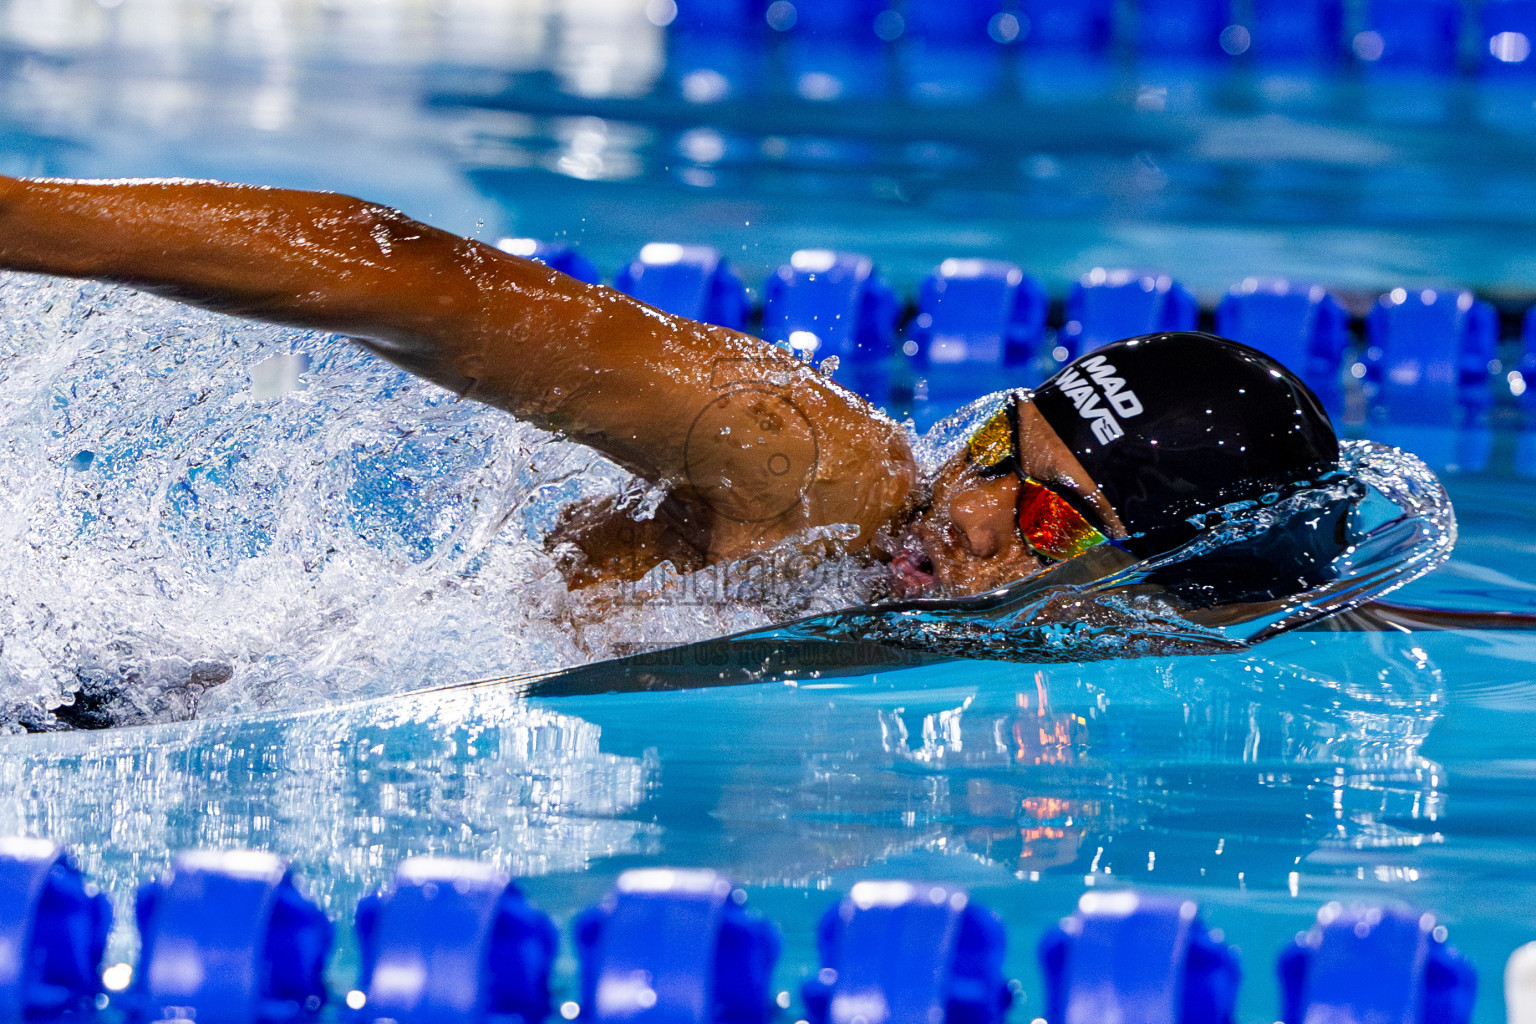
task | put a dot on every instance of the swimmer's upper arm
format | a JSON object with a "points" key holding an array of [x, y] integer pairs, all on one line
{"points": [[609, 371]]}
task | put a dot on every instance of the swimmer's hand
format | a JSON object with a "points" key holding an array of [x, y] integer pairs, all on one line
{"points": [[599, 542]]}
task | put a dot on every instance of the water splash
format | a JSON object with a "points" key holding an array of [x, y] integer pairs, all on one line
{"points": [[202, 514], [206, 515]]}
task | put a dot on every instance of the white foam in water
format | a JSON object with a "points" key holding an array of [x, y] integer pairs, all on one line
{"points": [[200, 514]]}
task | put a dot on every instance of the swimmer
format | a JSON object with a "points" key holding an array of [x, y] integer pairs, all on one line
{"points": [[754, 446]]}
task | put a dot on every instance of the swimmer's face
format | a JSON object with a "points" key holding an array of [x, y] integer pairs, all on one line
{"points": [[967, 541]]}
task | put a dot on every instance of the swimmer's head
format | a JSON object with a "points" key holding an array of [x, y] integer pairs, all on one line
{"points": [[1122, 448], [1173, 425]]}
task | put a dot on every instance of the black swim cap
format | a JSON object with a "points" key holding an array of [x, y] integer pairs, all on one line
{"points": [[1173, 425]]}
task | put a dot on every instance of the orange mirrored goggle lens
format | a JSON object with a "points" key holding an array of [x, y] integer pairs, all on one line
{"points": [[1048, 523], [1051, 526]]}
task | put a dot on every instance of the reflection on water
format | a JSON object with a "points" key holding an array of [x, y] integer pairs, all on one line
{"points": [[348, 792], [1136, 768]]}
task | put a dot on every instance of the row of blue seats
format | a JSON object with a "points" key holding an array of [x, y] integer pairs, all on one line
{"points": [[981, 324], [228, 937], [1422, 35]]}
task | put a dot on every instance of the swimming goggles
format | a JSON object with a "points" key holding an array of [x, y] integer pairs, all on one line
{"points": [[1050, 525]]}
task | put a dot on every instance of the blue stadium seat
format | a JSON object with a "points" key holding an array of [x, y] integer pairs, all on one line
{"points": [[974, 319], [689, 280], [560, 257], [741, 18], [1181, 28], [1374, 964], [53, 929], [1523, 386], [715, 49], [952, 49], [833, 50], [226, 936], [1428, 355], [837, 18], [1296, 31], [675, 947], [1299, 324], [1132, 956], [452, 941], [1108, 305], [1410, 35], [1079, 26], [963, 21], [824, 303], [1508, 37], [920, 953], [711, 69], [1067, 45]]}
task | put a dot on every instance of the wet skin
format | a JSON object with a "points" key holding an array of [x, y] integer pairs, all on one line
{"points": [[753, 445], [967, 540]]}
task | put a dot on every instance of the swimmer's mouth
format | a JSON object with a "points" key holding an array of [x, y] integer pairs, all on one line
{"points": [[913, 572]]}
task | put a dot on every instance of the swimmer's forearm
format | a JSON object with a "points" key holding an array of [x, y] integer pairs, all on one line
{"points": [[303, 258]]}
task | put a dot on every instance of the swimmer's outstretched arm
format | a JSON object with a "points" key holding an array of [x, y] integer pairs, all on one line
{"points": [[585, 360]]}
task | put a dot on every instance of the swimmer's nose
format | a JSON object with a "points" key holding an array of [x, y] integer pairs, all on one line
{"points": [[981, 531]]}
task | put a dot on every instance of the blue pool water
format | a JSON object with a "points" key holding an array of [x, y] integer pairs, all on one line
{"points": [[248, 543], [1324, 766]]}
